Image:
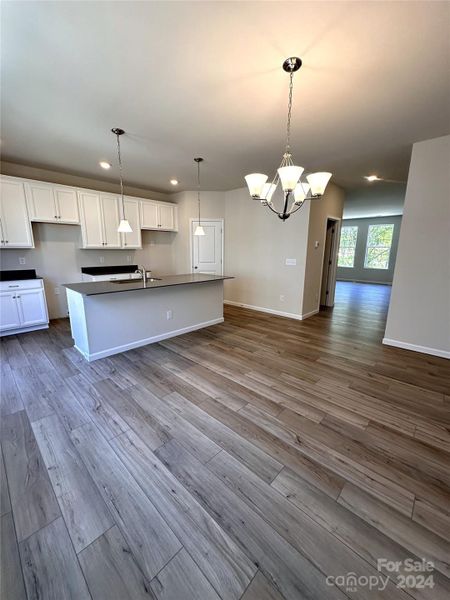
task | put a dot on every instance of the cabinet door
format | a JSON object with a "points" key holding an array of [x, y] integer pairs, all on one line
{"points": [[41, 202], [67, 205], [16, 225], [110, 213], [32, 307], [132, 213], [166, 216], [9, 311], [149, 215], [91, 220]]}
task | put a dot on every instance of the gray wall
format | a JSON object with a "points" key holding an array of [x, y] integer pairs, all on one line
{"points": [[376, 199], [359, 273], [419, 312]]}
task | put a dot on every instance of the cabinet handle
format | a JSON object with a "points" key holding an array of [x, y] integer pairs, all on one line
{"points": [[13, 286], [55, 217], [17, 296]]}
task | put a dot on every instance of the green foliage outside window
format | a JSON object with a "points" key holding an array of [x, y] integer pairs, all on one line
{"points": [[347, 245], [378, 250]]}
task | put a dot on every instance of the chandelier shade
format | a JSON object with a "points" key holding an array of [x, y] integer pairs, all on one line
{"points": [[318, 183], [288, 174], [268, 191], [289, 177], [255, 182], [300, 192]]}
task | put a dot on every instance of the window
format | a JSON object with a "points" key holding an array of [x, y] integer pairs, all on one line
{"points": [[378, 249], [347, 245]]}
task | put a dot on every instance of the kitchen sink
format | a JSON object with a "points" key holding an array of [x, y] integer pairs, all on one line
{"points": [[149, 280]]}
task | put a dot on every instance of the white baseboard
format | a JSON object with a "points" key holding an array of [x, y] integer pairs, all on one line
{"points": [[271, 311], [23, 329], [416, 348], [145, 341]]}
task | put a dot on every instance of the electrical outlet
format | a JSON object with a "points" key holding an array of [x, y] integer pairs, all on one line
{"points": [[22, 260], [281, 297], [169, 315], [291, 262], [316, 244], [102, 259], [128, 257], [57, 291]]}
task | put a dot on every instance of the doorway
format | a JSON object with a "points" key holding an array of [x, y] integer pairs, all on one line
{"points": [[329, 263], [207, 250]]}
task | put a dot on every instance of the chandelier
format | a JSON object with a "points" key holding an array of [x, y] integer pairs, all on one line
{"points": [[124, 225], [295, 191]]}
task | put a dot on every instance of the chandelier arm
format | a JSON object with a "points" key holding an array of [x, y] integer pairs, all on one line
{"points": [[297, 207]]}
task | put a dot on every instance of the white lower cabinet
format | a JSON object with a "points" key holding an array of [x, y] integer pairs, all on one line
{"points": [[15, 226], [9, 311], [22, 306]]}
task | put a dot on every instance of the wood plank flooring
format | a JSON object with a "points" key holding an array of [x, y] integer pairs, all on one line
{"points": [[259, 459]]}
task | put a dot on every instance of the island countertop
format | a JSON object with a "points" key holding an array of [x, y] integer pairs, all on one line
{"points": [[112, 287]]}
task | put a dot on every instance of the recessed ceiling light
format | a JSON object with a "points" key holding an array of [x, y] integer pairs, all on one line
{"points": [[174, 181], [372, 177], [104, 164]]}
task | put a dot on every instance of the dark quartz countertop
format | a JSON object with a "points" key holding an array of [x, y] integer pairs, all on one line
{"points": [[18, 275], [110, 287]]}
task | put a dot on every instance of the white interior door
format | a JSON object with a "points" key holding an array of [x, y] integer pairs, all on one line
{"points": [[207, 249]]}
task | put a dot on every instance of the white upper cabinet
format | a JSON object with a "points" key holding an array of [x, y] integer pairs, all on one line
{"points": [[99, 220], [52, 204], [149, 212], [91, 220], [15, 226], [67, 205], [161, 216], [167, 217], [133, 215], [111, 219]]}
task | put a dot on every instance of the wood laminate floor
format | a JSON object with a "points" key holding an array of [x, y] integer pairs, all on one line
{"points": [[262, 459]]}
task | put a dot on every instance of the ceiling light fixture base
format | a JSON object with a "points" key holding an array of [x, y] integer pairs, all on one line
{"points": [[117, 131], [292, 64], [199, 160]]}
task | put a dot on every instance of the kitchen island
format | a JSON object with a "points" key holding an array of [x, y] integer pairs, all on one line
{"points": [[109, 317]]}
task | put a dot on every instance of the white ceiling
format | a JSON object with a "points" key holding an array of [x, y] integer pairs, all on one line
{"points": [[204, 78]]}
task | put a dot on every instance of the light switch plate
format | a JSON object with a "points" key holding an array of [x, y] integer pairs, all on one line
{"points": [[291, 262], [22, 260]]}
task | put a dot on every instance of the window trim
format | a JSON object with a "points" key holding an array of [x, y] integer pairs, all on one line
{"points": [[389, 248], [354, 247]]}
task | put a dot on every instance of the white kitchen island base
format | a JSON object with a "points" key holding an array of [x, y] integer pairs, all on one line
{"points": [[104, 324]]}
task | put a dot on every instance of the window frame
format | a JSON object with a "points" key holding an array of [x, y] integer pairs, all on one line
{"points": [[389, 248], [354, 247]]}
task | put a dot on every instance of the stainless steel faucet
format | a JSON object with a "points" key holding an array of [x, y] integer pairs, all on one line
{"points": [[143, 273]]}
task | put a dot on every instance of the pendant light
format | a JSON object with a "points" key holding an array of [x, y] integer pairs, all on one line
{"points": [[124, 226], [288, 174], [199, 229]]}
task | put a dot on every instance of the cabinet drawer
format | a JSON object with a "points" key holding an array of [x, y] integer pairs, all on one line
{"points": [[24, 284]]}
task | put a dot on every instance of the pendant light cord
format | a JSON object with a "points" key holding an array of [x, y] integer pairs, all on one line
{"points": [[288, 125], [198, 190], [120, 175]]}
